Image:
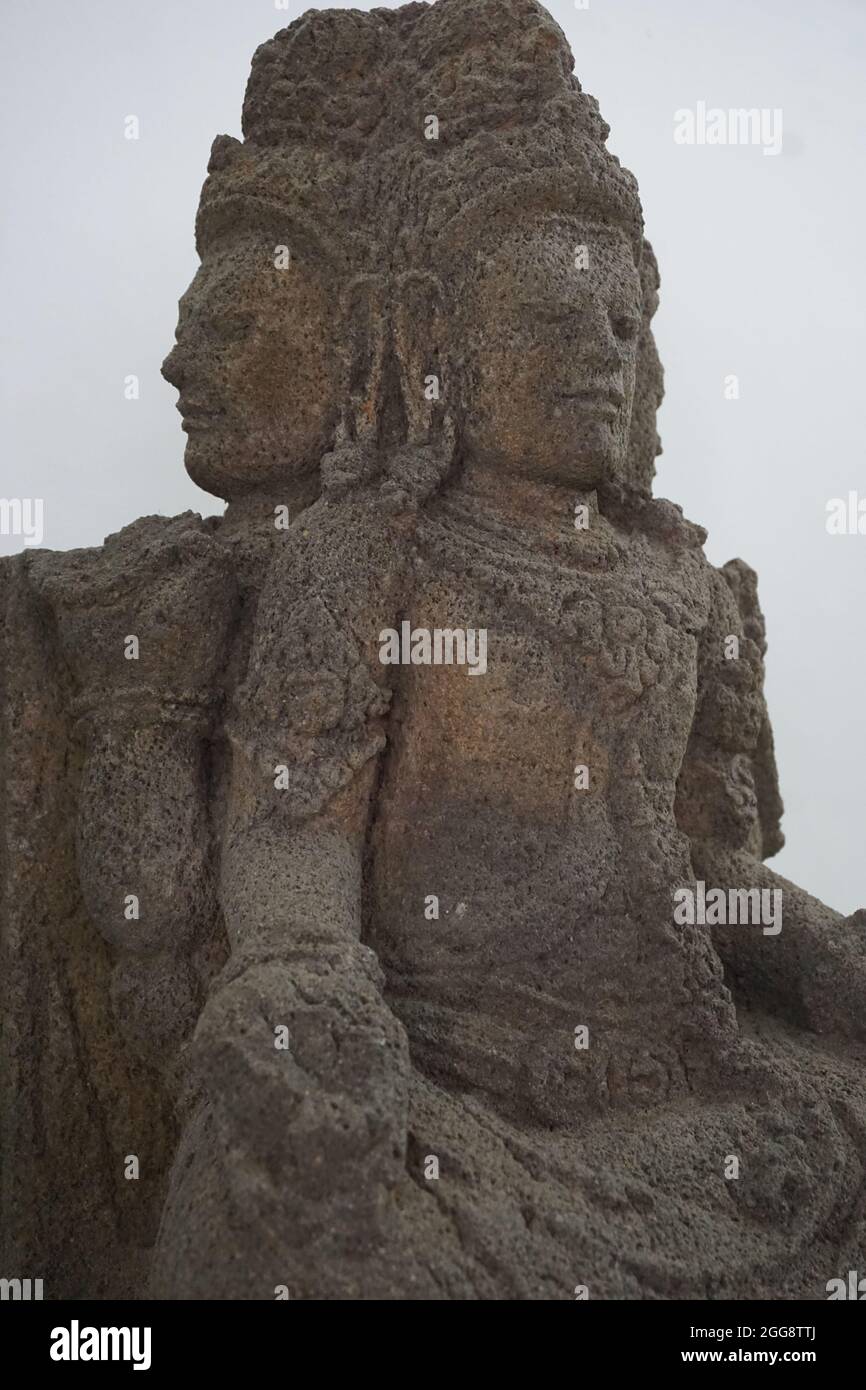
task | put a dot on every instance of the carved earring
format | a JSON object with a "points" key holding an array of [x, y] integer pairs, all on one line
{"points": [[417, 467], [354, 459]]}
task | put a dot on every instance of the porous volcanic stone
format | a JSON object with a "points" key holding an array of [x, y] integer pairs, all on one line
{"points": [[374, 971]]}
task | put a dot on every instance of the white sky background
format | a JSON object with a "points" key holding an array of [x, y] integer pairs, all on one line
{"points": [[763, 275]]}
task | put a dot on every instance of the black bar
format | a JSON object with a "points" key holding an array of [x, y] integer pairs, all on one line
{"points": [[283, 1338]]}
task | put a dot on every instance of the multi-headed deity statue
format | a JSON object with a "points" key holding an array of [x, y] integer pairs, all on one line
{"points": [[371, 853]]}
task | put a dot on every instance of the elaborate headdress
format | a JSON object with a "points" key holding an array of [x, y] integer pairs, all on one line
{"points": [[336, 159]]}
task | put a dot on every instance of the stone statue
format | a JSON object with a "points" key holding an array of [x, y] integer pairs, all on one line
{"points": [[346, 837]]}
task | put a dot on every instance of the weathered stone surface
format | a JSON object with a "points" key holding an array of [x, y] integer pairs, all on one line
{"points": [[438, 409]]}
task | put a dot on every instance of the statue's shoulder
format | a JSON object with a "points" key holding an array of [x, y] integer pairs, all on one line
{"points": [[670, 553], [136, 557], [162, 588], [731, 716], [655, 521], [741, 581]]}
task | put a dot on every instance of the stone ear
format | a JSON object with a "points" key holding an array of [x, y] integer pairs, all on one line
{"points": [[365, 320], [420, 452], [644, 445], [417, 329]]}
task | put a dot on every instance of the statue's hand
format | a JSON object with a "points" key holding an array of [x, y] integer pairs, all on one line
{"points": [[833, 976], [307, 1070]]}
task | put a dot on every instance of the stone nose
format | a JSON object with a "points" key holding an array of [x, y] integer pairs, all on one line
{"points": [[173, 367], [595, 341]]}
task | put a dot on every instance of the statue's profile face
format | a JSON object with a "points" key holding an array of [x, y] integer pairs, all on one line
{"points": [[553, 324], [255, 368]]}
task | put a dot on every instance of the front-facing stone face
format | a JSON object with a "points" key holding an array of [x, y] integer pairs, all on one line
{"points": [[552, 324], [255, 363]]}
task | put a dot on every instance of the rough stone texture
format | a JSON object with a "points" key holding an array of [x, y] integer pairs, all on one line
{"points": [[303, 905]]}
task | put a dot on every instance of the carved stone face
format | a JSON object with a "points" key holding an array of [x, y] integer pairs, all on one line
{"points": [[255, 368], [552, 337]]}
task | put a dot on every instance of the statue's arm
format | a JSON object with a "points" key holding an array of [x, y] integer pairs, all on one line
{"points": [[810, 965], [103, 776], [298, 1068], [141, 623], [46, 1085]]}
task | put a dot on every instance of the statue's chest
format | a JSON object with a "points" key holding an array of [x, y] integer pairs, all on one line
{"points": [[607, 646]]}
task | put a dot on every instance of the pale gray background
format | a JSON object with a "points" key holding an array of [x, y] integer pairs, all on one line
{"points": [[763, 270]]}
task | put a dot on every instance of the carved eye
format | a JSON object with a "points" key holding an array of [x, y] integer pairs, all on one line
{"points": [[232, 327], [625, 327], [544, 311]]}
